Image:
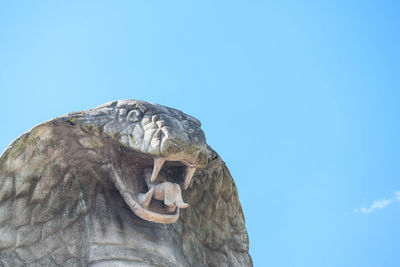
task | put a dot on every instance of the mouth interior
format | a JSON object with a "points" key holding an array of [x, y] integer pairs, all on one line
{"points": [[172, 172], [152, 187]]}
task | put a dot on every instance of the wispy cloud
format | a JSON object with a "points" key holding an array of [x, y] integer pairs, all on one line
{"points": [[379, 204], [397, 193]]}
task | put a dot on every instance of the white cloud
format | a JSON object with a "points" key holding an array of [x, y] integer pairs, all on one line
{"points": [[397, 193], [379, 204]]}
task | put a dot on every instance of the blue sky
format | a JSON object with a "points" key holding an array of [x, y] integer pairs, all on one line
{"points": [[300, 98]]}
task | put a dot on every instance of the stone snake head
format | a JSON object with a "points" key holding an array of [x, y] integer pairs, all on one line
{"points": [[173, 140]]}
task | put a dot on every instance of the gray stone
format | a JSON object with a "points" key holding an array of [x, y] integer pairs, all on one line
{"points": [[128, 183]]}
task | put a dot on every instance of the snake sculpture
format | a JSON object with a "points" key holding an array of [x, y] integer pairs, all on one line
{"points": [[128, 183]]}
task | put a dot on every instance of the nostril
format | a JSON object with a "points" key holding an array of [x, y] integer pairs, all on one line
{"points": [[155, 118]]}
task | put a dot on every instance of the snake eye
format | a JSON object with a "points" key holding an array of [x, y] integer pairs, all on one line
{"points": [[134, 116]]}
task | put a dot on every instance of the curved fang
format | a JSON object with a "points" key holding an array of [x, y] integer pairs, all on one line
{"points": [[158, 163], [189, 174]]}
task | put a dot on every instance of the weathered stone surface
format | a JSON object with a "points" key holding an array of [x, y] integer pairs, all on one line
{"points": [[128, 183]]}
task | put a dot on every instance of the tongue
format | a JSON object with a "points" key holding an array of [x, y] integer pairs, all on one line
{"points": [[170, 193]]}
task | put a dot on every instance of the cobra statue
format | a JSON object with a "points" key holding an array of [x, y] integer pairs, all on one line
{"points": [[128, 183]]}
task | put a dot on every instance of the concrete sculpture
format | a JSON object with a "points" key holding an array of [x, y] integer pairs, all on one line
{"points": [[128, 183]]}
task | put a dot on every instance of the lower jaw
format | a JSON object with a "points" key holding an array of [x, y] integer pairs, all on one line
{"points": [[148, 214], [138, 209]]}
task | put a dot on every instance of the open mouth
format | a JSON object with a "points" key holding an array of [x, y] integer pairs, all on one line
{"points": [[156, 193]]}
